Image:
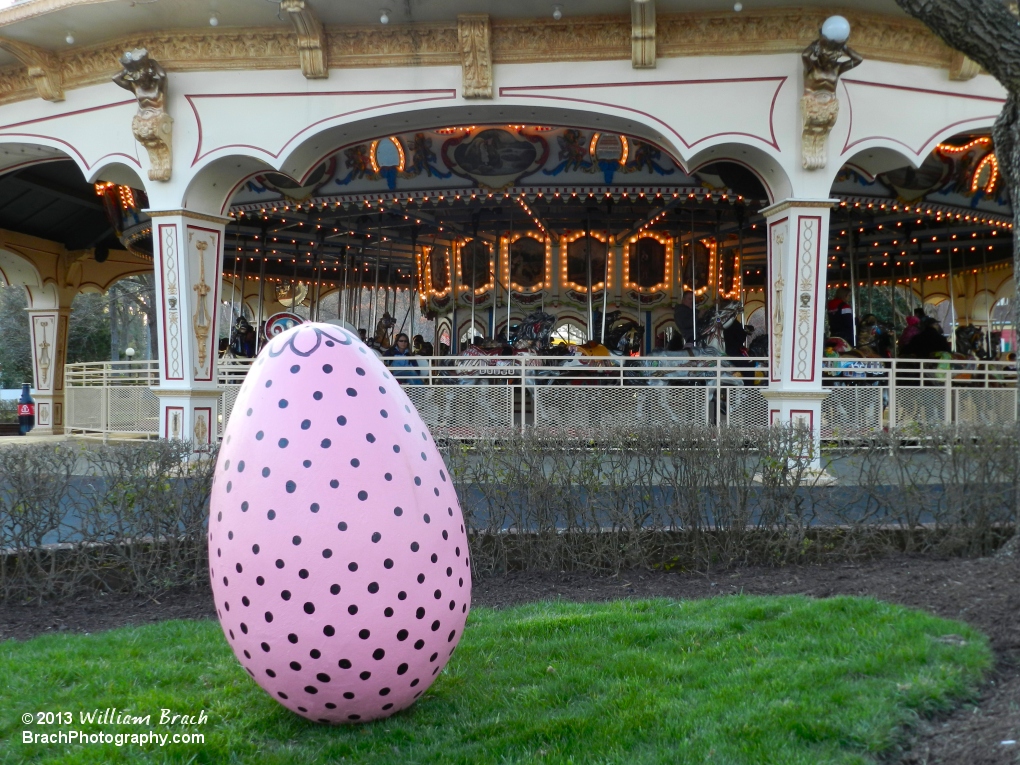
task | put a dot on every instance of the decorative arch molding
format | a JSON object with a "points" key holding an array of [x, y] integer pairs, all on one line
{"points": [[117, 171], [937, 113], [91, 137], [219, 172], [765, 165], [211, 188], [16, 269], [872, 162]]}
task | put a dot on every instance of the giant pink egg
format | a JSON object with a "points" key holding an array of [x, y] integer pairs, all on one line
{"points": [[337, 549]]}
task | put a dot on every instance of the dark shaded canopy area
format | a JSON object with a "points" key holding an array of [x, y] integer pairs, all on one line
{"points": [[53, 201]]}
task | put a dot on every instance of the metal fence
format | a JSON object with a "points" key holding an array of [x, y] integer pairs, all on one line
{"points": [[468, 397]]}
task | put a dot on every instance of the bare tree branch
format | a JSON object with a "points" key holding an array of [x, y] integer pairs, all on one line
{"points": [[985, 30]]}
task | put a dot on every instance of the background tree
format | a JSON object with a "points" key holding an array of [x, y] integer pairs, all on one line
{"points": [[15, 352], [988, 32]]}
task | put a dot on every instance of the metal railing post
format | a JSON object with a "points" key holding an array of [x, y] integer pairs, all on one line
{"points": [[950, 415], [893, 376]]}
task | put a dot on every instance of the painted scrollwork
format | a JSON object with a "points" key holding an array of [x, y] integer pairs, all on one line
{"points": [[152, 126]]}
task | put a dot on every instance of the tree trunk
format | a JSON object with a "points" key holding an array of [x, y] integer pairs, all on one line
{"points": [[114, 324], [988, 32]]}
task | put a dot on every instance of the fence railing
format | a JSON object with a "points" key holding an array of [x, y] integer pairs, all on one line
{"points": [[467, 396]]}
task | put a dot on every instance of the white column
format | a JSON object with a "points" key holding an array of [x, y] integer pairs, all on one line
{"points": [[188, 260], [798, 242], [49, 314]]}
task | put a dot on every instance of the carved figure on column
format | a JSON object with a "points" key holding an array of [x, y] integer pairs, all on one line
{"points": [[825, 60], [201, 317], [152, 126], [475, 37], [44, 357]]}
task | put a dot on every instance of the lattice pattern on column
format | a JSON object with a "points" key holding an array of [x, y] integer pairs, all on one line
{"points": [[587, 407], [985, 405], [463, 410], [852, 410]]}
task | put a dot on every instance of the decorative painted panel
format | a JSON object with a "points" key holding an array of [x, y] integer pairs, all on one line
{"points": [[203, 265], [809, 247], [173, 351]]}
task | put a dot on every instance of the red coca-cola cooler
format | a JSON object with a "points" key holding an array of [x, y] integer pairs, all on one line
{"points": [[26, 410]]}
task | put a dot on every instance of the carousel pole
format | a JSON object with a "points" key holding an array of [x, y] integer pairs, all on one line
{"points": [[910, 284], [471, 288], [375, 291], [851, 252], [358, 308], [509, 274], [244, 272], [587, 239], [952, 302], [454, 339], [262, 282], [341, 305], [605, 292], [694, 291], [988, 300], [294, 286], [262, 290], [318, 287], [739, 266], [892, 303], [920, 271], [871, 290], [233, 277]]}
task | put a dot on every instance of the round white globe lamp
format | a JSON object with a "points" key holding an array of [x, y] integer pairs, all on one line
{"points": [[837, 29]]}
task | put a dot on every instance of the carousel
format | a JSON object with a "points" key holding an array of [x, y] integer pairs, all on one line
{"points": [[539, 254], [552, 222], [472, 229]]}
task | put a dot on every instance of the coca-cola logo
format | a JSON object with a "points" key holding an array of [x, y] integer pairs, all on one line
{"points": [[26, 410]]}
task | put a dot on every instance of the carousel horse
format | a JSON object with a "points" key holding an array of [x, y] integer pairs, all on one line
{"points": [[382, 331], [970, 342], [623, 335], [709, 345], [241, 344]]}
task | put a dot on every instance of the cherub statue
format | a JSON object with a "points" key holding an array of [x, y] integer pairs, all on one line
{"points": [[825, 60], [152, 126]]}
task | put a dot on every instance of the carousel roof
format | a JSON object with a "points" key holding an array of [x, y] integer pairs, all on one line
{"points": [[382, 199]]}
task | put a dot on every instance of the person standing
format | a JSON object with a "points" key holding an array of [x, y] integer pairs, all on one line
{"points": [[683, 315], [400, 352], [841, 315]]}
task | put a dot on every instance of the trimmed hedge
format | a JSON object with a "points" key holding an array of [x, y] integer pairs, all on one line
{"points": [[80, 516]]}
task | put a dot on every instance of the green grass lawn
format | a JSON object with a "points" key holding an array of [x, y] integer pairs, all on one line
{"points": [[728, 680]]}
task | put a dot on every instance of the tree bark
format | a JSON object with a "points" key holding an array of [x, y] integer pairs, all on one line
{"points": [[988, 32]]}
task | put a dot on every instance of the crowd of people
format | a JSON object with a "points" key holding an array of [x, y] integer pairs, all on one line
{"points": [[922, 338]]}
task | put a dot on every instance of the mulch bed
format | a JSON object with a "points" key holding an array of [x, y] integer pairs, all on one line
{"points": [[983, 592]]}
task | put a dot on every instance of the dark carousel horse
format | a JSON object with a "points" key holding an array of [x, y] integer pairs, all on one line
{"points": [[241, 344]]}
